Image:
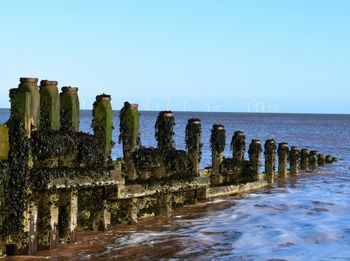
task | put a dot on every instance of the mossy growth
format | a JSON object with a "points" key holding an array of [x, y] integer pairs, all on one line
{"points": [[254, 153], [4, 175], [270, 153], [294, 156], [49, 105], [4, 142], [218, 139], [31, 85], [16, 187], [22, 106], [102, 124], [193, 142], [304, 161], [283, 152], [69, 109], [238, 145], [164, 130], [129, 128]]}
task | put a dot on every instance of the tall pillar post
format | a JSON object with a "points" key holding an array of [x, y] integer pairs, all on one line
{"points": [[217, 142], [313, 159], [282, 151], [68, 216], [294, 160], [321, 159], [31, 85], [164, 133], [70, 108], [270, 160], [102, 124], [304, 161], [49, 105], [129, 128], [238, 146], [254, 152], [193, 143]]}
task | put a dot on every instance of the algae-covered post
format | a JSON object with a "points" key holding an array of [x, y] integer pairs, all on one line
{"points": [[270, 160], [254, 152], [164, 130], [321, 159], [282, 152], [217, 142], [193, 142], [102, 124], [238, 146], [304, 160], [329, 159], [294, 160], [31, 85], [4, 142], [16, 188], [70, 109], [313, 159], [49, 105], [129, 135]]}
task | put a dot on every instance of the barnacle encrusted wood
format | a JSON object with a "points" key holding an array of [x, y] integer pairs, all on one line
{"points": [[193, 142], [69, 108], [164, 130]]}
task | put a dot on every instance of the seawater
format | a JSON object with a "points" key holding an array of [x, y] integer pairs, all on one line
{"points": [[305, 218]]}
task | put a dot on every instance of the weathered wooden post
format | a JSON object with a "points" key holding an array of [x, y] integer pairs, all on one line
{"points": [[304, 162], [238, 146], [17, 207], [70, 109], [102, 125], [282, 152], [48, 213], [217, 142], [164, 133], [254, 152], [321, 159], [193, 143], [49, 105], [129, 127], [31, 85], [68, 215], [313, 159], [294, 160], [329, 159], [270, 160]]}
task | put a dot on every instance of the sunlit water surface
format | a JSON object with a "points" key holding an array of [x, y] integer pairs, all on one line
{"points": [[305, 218]]}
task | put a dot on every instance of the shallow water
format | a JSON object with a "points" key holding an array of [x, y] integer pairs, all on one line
{"points": [[305, 218]]}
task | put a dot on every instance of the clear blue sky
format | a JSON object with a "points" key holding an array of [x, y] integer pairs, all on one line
{"points": [[291, 56]]}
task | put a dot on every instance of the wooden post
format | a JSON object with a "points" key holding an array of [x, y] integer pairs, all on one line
{"points": [[270, 160], [70, 108], [193, 143], [218, 141], [282, 151], [294, 160]]}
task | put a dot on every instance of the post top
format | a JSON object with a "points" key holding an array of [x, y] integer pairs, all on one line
{"points": [[218, 127], [313, 152], [304, 150], [131, 105], [255, 141], [48, 83], [168, 114], [270, 141], [69, 89], [283, 144], [239, 133], [194, 121], [294, 148], [28, 80], [103, 97]]}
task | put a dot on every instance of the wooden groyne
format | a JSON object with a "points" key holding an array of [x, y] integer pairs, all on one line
{"points": [[56, 180]]}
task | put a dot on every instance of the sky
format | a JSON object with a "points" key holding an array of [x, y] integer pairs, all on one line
{"points": [[194, 55]]}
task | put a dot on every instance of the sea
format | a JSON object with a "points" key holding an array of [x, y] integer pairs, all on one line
{"points": [[307, 217]]}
